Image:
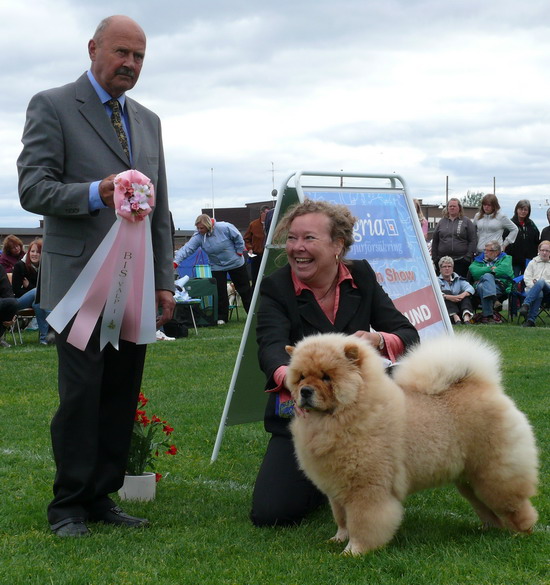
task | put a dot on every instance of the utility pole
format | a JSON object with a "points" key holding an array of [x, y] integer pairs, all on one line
{"points": [[212, 175]]}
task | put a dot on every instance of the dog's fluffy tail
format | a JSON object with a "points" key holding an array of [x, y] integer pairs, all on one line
{"points": [[434, 365]]}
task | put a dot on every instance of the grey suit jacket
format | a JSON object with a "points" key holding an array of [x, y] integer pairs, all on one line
{"points": [[68, 143]]}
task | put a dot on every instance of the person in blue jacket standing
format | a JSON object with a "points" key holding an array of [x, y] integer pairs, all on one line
{"points": [[224, 245]]}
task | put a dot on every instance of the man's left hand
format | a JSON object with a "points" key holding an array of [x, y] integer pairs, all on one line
{"points": [[165, 301]]}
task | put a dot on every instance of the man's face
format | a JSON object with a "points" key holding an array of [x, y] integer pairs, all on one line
{"points": [[117, 56], [491, 253]]}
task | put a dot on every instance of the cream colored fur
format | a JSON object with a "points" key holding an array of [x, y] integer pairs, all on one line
{"points": [[368, 440]]}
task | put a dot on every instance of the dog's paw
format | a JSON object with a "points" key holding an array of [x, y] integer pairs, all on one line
{"points": [[341, 536], [350, 551]]}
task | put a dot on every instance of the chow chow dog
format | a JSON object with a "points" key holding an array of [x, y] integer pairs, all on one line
{"points": [[367, 440]]}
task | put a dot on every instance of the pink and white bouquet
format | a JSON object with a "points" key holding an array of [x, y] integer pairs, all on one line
{"points": [[134, 195], [117, 283]]}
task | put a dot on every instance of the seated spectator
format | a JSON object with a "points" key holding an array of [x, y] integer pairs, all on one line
{"points": [[537, 284], [8, 305], [457, 292], [12, 252], [493, 275], [25, 276]]}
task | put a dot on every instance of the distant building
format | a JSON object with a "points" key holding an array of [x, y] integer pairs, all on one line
{"points": [[26, 235], [240, 217]]}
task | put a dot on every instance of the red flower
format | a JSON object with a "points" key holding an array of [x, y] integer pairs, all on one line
{"points": [[158, 477], [149, 440]]}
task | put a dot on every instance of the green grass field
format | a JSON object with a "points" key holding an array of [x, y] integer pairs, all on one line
{"points": [[200, 532]]}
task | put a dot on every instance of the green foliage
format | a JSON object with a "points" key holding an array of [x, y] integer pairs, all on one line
{"points": [[200, 532], [472, 199], [149, 439]]}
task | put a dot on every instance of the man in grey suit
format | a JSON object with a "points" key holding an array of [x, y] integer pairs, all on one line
{"points": [[71, 153]]}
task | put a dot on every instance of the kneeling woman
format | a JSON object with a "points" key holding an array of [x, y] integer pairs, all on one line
{"points": [[457, 292], [316, 292]]}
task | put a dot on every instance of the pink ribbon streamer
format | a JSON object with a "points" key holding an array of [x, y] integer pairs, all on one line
{"points": [[115, 281]]}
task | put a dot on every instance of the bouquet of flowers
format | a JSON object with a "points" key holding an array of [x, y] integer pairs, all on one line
{"points": [[116, 280], [150, 437], [134, 195]]}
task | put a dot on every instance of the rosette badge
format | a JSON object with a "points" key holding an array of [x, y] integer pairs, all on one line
{"points": [[134, 195], [117, 283]]}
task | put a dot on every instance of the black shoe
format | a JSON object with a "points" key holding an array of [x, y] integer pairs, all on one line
{"points": [[116, 516], [528, 323], [524, 310], [71, 529]]}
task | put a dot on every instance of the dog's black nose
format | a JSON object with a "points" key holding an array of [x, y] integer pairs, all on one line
{"points": [[306, 392]]}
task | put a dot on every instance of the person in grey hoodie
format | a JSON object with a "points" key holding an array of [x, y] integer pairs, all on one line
{"points": [[224, 245]]}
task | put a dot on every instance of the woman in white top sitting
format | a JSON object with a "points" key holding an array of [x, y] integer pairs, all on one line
{"points": [[490, 223], [537, 284]]}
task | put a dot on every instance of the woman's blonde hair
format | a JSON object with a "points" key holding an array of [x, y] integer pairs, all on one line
{"points": [[341, 221], [446, 260], [205, 221]]}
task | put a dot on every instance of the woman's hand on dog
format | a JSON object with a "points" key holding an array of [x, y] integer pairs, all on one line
{"points": [[371, 337]]}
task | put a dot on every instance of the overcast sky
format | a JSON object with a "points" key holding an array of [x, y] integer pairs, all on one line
{"points": [[249, 91]]}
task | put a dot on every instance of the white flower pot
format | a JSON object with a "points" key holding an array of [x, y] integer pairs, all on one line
{"points": [[139, 487]]}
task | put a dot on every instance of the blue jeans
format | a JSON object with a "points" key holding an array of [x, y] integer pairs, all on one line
{"points": [[26, 301], [487, 289], [537, 293]]}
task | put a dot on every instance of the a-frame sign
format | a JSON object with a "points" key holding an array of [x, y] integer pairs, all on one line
{"points": [[387, 234]]}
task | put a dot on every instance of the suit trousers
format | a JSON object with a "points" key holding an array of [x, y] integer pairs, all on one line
{"points": [[240, 279], [91, 430]]}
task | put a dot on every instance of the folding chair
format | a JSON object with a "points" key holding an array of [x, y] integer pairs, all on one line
{"points": [[516, 297], [202, 271], [233, 296], [21, 319]]}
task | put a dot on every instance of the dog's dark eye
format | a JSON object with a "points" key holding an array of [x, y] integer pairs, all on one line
{"points": [[326, 377], [301, 377]]}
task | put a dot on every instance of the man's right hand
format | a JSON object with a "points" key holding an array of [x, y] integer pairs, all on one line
{"points": [[107, 191]]}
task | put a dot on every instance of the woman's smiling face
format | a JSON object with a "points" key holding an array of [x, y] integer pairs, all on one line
{"points": [[310, 249]]}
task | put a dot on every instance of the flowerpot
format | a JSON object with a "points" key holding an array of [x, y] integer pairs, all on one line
{"points": [[139, 487]]}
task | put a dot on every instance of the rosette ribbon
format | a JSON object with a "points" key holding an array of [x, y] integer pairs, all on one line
{"points": [[118, 280]]}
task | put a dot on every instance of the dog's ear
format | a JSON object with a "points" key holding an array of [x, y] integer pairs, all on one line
{"points": [[289, 349], [351, 351]]}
